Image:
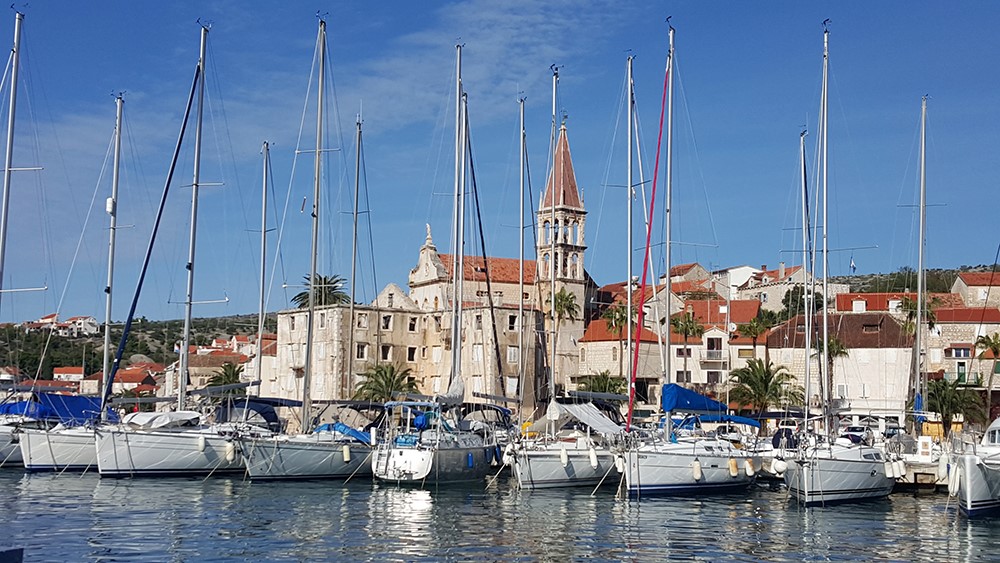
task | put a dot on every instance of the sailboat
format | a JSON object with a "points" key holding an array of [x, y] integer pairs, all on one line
{"points": [[433, 441], [176, 442], [568, 447], [72, 448], [334, 451], [824, 471]]}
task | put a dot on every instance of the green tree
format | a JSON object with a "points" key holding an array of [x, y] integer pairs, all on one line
{"points": [[795, 304], [329, 291], [603, 382], [835, 349], [617, 318], [948, 400], [563, 306], [762, 385], [753, 330], [382, 382], [909, 307], [228, 374], [686, 325], [989, 344]]}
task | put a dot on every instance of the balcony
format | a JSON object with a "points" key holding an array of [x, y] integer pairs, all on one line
{"points": [[714, 356], [969, 378]]}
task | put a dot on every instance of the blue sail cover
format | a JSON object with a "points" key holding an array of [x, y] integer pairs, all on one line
{"points": [[689, 422], [677, 398], [30, 409], [73, 410]]}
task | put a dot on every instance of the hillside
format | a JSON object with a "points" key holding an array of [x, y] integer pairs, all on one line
{"points": [[905, 279]]}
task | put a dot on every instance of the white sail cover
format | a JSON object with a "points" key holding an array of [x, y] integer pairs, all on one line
{"points": [[586, 413], [151, 420]]}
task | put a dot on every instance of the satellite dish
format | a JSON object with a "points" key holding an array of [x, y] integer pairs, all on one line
{"points": [[732, 327]]}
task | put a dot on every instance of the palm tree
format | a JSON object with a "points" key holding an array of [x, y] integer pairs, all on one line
{"points": [[989, 344], [836, 349], [617, 318], [753, 330], [947, 400], [382, 382], [228, 374], [761, 384], [329, 291], [563, 307], [909, 306], [686, 325], [603, 382]]}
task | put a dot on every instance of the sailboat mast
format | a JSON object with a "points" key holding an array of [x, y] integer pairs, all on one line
{"points": [[349, 364], [317, 180], [520, 262], [628, 239], [919, 379], [806, 275], [458, 234], [261, 315], [112, 208], [553, 233], [182, 372], [9, 154], [825, 367], [668, 199]]}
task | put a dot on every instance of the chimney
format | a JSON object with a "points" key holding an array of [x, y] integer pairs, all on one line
{"points": [[781, 270], [763, 267]]}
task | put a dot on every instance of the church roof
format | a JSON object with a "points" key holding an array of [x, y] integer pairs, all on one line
{"points": [[562, 181], [501, 270]]}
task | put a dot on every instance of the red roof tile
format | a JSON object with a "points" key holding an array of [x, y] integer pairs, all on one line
{"points": [[562, 177], [598, 331], [980, 279], [709, 311], [501, 270], [967, 315], [880, 301], [68, 371]]}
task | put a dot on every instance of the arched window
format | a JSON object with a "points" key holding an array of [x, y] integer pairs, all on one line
{"points": [[546, 232], [614, 354], [574, 271]]}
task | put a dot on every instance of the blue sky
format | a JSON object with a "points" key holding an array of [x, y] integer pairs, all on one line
{"points": [[748, 80]]}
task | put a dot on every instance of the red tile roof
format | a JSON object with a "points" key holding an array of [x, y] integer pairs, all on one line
{"points": [[501, 270], [214, 360], [772, 276], [68, 371], [880, 301], [967, 315], [980, 278], [681, 269], [708, 312], [563, 178], [598, 331], [854, 330]]}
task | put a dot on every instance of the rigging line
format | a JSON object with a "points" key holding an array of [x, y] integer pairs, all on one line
{"points": [[482, 242], [641, 313], [697, 156], [368, 219], [609, 150]]}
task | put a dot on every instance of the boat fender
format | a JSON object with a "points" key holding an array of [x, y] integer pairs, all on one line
{"points": [[900, 468], [779, 466], [593, 457], [497, 454], [734, 468], [230, 452], [508, 455], [696, 469], [620, 464], [748, 467], [346, 452], [489, 455], [563, 455], [201, 444], [953, 479], [942, 472], [470, 460], [890, 470]]}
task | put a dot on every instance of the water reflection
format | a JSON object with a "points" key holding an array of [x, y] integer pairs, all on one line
{"points": [[70, 518]]}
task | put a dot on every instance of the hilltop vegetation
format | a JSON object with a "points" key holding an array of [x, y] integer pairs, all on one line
{"points": [[905, 279]]}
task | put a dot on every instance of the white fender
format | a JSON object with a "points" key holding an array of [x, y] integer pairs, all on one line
{"points": [[620, 463], [734, 468], [953, 478], [230, 452], [593, 457], [779, 466], [346, 452], [696, 470], [201, 444], [563, 455], [900, 468], [942, 472], [748, 467], [890, 470]]}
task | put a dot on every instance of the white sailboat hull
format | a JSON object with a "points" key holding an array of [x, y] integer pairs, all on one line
{"points": [[67, 449], [306, 456], [543, 467], [977, 486], [838, 474], [456, 458], [10, 450], [138, 453], [670, 469]]}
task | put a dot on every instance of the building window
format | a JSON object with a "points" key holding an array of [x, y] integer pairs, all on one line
{"points": [[479, 322], [389, 300], [291, 322], [714, 377], [745, 353], [895, 306], [763, 298], [683, 352], [436, 354], [386, 322], [800, 328], [437, 323], [423, 352], [362, 320], [513, 354], [412, 326], [864, 390], [411, 354], [511, 322], [683, 376], [983, 293], [322, 320], [386, 353], [583, 355], [957, 352], [614, 354], [477, 352], [842, 391], [362, 351]]}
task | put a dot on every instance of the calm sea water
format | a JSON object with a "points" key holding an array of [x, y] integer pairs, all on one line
{"points": [[85, 518]]}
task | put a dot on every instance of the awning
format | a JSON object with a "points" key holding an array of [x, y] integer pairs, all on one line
{"points": [[588, 414]]}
